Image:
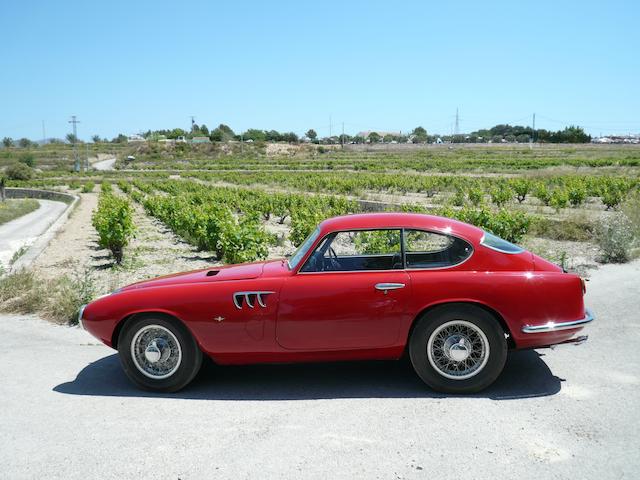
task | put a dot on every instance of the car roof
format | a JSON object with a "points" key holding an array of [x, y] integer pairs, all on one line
{"points": [[402, 220]]}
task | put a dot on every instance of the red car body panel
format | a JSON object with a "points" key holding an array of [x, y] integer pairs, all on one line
{"points": [[320, 316]]}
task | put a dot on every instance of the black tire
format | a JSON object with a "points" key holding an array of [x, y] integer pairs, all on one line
{"points": [[185, 369], [434, 321]]}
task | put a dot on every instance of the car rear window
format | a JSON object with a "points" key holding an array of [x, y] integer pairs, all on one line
{"points": [[496, 243]]}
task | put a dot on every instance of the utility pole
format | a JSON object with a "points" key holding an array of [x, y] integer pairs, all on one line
{"points": [[44, 134], [456, 130], [193, 122], [76, 157], [329, 127], [342, 137], [533, 130]]}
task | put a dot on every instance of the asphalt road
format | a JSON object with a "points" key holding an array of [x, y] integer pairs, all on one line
{"points": [[67, 411], [105, 165], [24, 230]]}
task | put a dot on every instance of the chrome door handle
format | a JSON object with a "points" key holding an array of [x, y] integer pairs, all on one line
{"points": [[385, 287]]}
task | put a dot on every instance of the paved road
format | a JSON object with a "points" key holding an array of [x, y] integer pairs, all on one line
{"points": [[104, 165], [24, 230], [66, 411]]}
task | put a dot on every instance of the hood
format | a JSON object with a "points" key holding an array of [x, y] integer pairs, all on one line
{"points": [[243, 271]]}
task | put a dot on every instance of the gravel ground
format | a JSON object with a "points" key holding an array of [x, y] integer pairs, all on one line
{"points": [[67, 411]]}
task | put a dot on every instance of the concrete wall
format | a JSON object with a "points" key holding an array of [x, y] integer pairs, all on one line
{"points": [[42, 194]]}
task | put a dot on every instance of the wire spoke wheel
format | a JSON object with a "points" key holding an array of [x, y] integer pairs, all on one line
{"points": [[156, 352], [458, 350]]}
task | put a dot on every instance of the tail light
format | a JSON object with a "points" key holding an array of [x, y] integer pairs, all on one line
{"points": [[584, 285]]}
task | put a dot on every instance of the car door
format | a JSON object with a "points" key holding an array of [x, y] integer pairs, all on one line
{"points": [[355, 297]]}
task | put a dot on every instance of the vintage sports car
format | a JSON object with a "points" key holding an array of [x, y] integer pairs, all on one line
{"points": [[451, 296]]}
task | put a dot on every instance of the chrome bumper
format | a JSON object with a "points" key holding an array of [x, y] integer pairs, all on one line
{"points": [[80, 316], [554, 327]]}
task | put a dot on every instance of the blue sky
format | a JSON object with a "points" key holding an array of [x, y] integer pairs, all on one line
{"points": [[130, 66]]}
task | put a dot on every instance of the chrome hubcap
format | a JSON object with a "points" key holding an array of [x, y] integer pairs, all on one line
{"points": [[458, 350], [156, 352]]}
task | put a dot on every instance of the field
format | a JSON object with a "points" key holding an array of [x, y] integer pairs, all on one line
{"points": [[188, 206]]}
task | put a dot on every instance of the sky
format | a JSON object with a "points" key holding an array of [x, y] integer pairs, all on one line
{"points": [[130, 66]]}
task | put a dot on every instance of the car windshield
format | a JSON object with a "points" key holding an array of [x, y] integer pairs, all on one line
{"points": [[497, 243], [302, 249]]}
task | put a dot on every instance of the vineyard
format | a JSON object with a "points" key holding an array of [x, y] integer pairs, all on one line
{"points": [[238, 203]]}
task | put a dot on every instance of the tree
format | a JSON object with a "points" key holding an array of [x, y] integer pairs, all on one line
{"points": [[419, 135], [255, 135], [311, 135], [222, 133], [204, 130], [96, 139], [24, 143], [273, 136], [7, 142], [71, 138], [121, 138], [289, 137], [374, 137], [19, 171]]}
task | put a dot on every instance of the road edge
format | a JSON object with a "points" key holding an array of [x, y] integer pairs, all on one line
{"points": [[37, 247]]}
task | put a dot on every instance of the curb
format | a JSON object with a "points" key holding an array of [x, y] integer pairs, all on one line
{"points": [[37, 247]]}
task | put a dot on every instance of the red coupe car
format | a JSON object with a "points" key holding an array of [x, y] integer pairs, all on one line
{"points": [[451, 296]]}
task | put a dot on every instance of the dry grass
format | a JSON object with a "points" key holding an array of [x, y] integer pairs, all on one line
{"points": [[11, 209], [57, 300]]}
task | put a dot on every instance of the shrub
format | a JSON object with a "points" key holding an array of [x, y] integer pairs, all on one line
{"points": [[615, 238], [88, 187], [559, 199], [458, 198], [542, 193], [28, 159], [577, 194], [501, 195], [475, 196], [19, 171], [74, 184], [244, 240], [611, 197], [521, 187], [113, 220]]}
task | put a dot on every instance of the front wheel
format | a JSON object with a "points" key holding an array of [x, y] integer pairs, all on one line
{"points": [[158, 353], [458, 349]]}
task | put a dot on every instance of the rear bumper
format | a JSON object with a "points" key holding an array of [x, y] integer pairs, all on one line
{"points": [[80, 324], [557, 326]]}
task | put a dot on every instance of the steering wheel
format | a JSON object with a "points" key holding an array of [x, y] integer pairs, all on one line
{"points": [[334, 263]]}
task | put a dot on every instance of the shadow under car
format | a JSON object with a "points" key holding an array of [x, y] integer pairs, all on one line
{"points": [[525, 375]]}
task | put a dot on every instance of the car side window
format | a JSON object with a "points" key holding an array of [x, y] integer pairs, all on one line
{"points": [[357, 250], [434, 250]]}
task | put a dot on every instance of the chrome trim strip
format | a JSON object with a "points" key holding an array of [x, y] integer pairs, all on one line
{"points": [[553, 327], [80, 315], [238, 296]]}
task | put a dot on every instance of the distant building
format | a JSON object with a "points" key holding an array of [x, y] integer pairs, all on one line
{"points": [[135, 139], [380, 133], [629, 139], [200, 140]]}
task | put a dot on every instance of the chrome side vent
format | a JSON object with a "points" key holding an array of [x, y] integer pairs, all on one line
{"points": [[250, 298]]}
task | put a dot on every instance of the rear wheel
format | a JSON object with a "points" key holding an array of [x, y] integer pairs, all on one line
{"points": [[158, 353], [458, 349]]}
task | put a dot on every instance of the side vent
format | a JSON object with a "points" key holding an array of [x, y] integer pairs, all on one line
{"points": [[250, 299], [212, 273]]}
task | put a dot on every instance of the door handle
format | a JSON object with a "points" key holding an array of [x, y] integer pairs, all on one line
{"points": [[385, 287]]}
